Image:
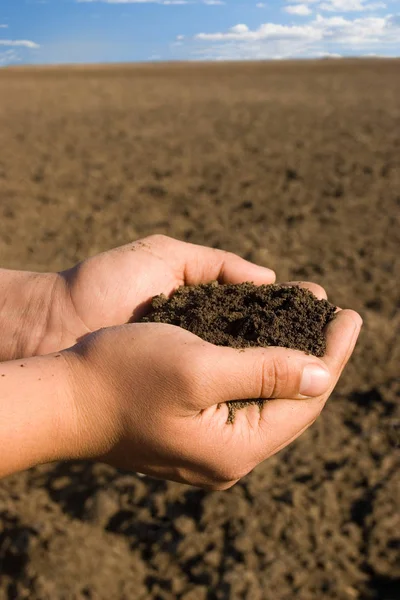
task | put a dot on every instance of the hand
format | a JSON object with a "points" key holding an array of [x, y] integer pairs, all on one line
{"points": [[149, 397], [115, 287], [45, 313]]}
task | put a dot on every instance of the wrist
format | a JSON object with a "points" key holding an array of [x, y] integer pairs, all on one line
{"points": [[25, 307], [95, 422], [36, 314], [36, 413]]}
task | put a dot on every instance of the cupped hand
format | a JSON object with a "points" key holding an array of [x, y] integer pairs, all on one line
{"points": [[151, 397], [115, 287]]}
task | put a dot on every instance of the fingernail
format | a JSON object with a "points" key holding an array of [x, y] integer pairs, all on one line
{"points": [[357, 320], [314, 381]]}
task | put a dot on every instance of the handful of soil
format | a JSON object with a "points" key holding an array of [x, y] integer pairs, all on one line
{"points": [[245, 315]]}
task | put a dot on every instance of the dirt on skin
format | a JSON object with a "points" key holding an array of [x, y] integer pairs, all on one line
{"points": [[295, 166], [245, 316]]}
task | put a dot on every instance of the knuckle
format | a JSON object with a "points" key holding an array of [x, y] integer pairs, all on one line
{"points": [[191, 373], [227, 255], [224, 473], [275, 377], [200, 364], [156, 238], [221, 486]]}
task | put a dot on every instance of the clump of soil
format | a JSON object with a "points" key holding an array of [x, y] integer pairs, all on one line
{"points": [[245, 315]]}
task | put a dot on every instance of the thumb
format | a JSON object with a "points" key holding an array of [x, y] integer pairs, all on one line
{"points": [[274, 372]]}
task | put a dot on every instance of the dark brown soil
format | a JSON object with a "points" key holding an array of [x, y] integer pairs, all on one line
{"points": [[294, 166], [245, 316]]}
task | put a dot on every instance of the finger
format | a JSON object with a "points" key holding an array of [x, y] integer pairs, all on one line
{"points": [[283, 420], [314, 288], [199, 264], [341, 336], [231, 374], [280, 423]]}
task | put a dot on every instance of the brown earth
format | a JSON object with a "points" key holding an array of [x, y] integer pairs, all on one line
{"points": [[295, 166], [245, 315]]}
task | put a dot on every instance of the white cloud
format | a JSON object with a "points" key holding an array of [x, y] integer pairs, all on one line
{"points": [[268, 31], [20, 43], [261, 5], [298, 9], [241, 28], [8, 57], [326, 55], [322, 36], [3, 26], [343, 6], [214, 2]]}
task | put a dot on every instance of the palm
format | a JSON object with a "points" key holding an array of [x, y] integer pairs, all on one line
{"points": [[115, 287], [196, 414], [259, 436]]}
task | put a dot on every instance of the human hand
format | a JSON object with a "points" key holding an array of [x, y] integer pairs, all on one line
{"points": [[115, 287], [46, 313], [150, 398], [41, 313]]}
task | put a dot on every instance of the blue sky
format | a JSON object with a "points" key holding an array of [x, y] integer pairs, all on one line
{"points": [[93, 31]]}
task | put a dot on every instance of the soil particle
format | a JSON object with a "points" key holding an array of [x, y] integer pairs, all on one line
{"points": [[245, 315]]}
